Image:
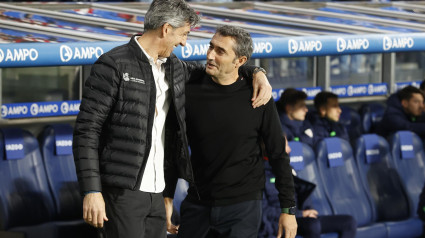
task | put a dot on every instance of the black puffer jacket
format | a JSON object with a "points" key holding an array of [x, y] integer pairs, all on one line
{"points": [[112, 135]]}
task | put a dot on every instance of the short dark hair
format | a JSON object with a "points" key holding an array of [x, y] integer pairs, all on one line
{"points": [[407, 92], [242, 38], [290, 97], [422, 86], [321, 99]]}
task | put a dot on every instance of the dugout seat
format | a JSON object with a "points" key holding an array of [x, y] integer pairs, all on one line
{"points": [[344, 188]]}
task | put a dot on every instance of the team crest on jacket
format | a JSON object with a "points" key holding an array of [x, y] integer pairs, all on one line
{"points": [[126, 77]]}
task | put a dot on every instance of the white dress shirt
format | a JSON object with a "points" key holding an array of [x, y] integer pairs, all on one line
{"points": [[153, 177]]}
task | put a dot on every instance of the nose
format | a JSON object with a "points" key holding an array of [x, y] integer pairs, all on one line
{"points": [[210, 54], [339, 110], [183, 42]]}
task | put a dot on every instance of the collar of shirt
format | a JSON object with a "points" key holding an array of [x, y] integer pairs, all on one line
{"points": [[159, 61]]}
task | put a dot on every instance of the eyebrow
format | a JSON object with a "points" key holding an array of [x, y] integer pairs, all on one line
{"points": [[220, 48]]}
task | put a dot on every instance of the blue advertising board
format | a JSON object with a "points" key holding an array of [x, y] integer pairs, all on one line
{"points": [[39, 109], [360, 90], [82, 53]]}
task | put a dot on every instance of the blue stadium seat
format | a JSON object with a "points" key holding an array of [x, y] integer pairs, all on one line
{"points": [[350, 118], [383, 186], [309, 172], [27, 204], [371, 114], [56, 149], [60, 169], [410, 163], [180, 193], [344, 188]]}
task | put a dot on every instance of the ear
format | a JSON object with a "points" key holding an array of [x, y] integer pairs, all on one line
{"points": [[240, 61], [165, 29], [288, 108], [404, 103], [322, 111]]}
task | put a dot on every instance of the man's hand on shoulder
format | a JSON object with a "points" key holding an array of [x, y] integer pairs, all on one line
{"points": [[288, 223], [94, 209], [262, 89]]}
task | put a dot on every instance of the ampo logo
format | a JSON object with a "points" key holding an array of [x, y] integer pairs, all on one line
{"points": [[351, 44], [3, 111], [66, 53], [304, 46], [187, 50], [370, 89], [397, 42], [64, 107], [1, 55], [79, 53], [34, 109]]}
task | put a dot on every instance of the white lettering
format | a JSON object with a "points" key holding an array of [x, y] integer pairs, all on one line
{"points": [[407, 147], [261, 47], [14, 147], [304, 46], [17, 110], [64, 143], [372, 152], [335, 155], [20, 54], [340, 91], [397, 42], [295, 159]]}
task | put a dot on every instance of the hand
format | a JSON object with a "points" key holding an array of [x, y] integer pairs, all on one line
{"points": [[287, 147], [310, 213], [262, 90], [288, 223], [94, 209], [168, 213]]}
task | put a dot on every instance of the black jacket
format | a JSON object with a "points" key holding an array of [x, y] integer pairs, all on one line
{"points": [[112, 135], [396, 119]]}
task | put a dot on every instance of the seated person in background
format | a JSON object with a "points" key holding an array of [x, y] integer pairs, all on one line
{"points": [[404, 109], [310, 223], [328, 125], [292, 110]]}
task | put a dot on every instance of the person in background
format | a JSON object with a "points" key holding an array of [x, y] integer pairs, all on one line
{"points": [[310, 223], [404, 112], [292, 110], [327, 124]]}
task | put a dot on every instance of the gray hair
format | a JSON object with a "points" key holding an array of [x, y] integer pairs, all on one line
{"points": [[243, 41], [174, 12]]}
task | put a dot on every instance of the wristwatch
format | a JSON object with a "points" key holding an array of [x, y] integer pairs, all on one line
{"points": [[289, 210], [259, 69]]}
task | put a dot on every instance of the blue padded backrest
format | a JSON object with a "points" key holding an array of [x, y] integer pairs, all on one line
{"points": [[371, 115], [25, 198], [62, 177], [351, 120], [381, 180], [180, 193], [412, 171], [344, 189], [317, 200]]}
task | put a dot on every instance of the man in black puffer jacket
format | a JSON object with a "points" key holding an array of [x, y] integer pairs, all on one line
{"points": [[130, 140]]}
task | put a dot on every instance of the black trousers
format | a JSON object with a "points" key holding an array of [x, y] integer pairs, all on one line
{"points": [[344, 225], [232, 221], [134, 214]]}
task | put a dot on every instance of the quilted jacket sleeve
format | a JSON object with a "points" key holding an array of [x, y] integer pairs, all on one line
{"points": [[99, 96]]}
